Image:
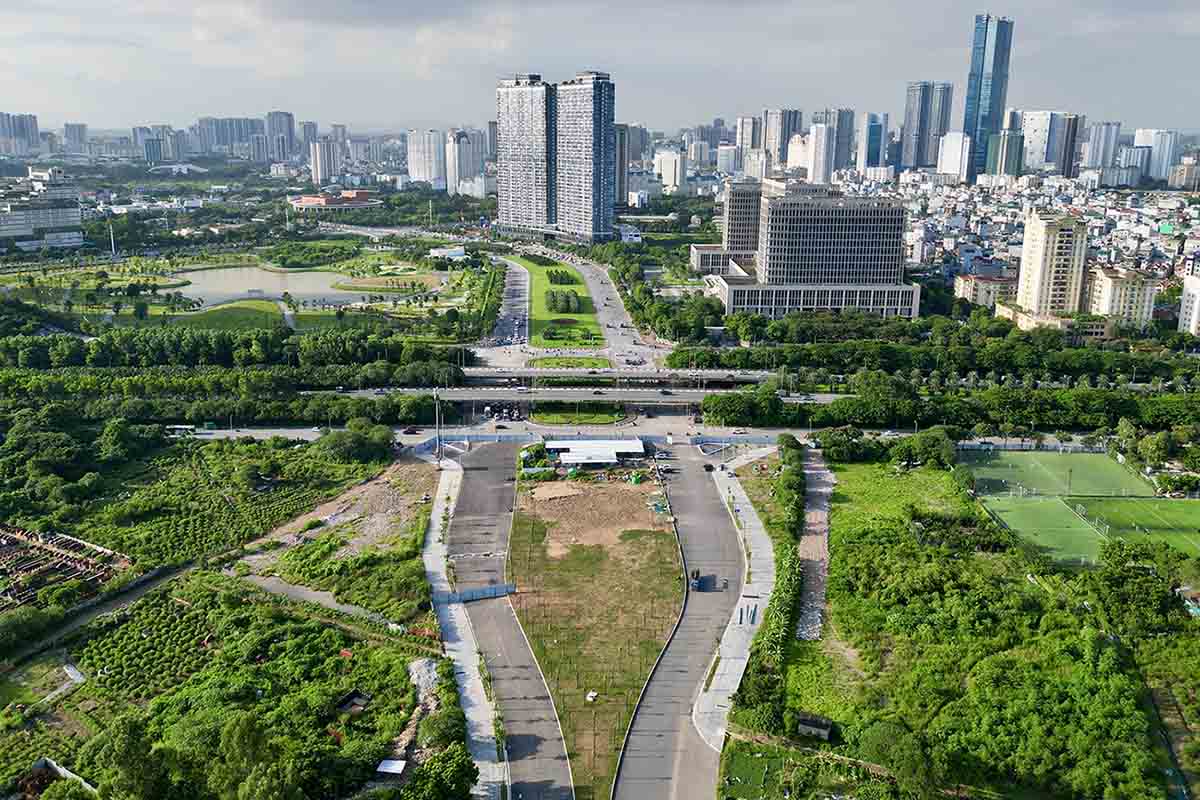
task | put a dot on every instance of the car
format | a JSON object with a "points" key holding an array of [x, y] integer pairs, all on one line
{"points": [[316, 429], [501, 426], [664, 391], [593, 372], [738, 431], [410, 431], [597, 391], [708, 467]]}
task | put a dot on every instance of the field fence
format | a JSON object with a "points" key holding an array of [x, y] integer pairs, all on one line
{"points": [[1098, 523]]}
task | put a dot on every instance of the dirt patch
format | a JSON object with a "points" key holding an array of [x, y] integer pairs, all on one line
{"points": [[381, 507], [555, 490], [605, 511]]}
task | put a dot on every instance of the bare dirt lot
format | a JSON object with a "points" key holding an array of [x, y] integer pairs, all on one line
{"points": [[593, 513]]}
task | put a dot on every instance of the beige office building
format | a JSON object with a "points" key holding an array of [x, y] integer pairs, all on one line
{"points": [[985, 290]]}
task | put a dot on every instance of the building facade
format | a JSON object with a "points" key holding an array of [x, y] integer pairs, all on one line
{"points": [[822, 144], [1189, 312], [1052, 265], [1102, 145], [1164, 150], [872, 142], [281, 134], [622, 164], [427, 157], [926, 120], [1125, 294], [75, 137], [586, 157], [39, 211], [954, 155], [987, 85], [778, 126], [324, 160], [1006, 153], [466, 150], [526, 153]]}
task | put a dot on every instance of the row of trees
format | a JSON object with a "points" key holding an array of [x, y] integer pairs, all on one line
{"points": [[886, 401], [560, 276], [149, 347]]}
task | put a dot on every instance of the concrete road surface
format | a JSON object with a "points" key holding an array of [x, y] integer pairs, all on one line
{"points": [[665, 757], [477, 543]]}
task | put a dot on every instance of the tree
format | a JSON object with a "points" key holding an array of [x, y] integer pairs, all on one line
{"points": [[117, 305], [67, 790], [141, 309], [446, 775], [905, 753]]}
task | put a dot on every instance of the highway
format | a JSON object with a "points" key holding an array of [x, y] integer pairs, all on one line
{"points": [[573, 394], [661, 374]]}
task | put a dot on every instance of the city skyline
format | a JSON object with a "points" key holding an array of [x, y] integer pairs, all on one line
{"points": [[454, 53]]}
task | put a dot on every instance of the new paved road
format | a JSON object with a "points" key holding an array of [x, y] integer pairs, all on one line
{"points": [[665, 758], [477, 543]]}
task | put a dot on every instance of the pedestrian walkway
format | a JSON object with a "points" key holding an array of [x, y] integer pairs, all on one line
{"points": [[459, 639], [813, 547], [710, 713]]}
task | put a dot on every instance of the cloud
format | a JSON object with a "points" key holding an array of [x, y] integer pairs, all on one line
{"points": [[382, 64]]}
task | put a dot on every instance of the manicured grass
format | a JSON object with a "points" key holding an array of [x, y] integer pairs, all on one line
{"points": [[1046, 472], [597, 618], [1176, 522], [233, 316], [570, 362], [569, 330], [1051, 525], [577, 414]]}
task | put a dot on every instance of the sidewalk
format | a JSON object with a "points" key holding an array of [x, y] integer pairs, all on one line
{"points": [[813, 547], [459, 639], [710, 713]]}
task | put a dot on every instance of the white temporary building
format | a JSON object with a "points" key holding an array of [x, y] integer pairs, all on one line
{"points": [[577, 452]]}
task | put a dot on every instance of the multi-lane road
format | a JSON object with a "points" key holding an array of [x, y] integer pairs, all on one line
{"points": [[571, 394]]}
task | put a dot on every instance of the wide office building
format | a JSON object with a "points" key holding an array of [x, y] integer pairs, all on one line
{"points": [[808, 249], [39, 211]]}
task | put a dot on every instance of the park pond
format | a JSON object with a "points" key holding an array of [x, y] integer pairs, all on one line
{"points": [[213, 286]]}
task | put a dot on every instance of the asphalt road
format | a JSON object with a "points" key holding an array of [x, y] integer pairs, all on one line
{"points": [[581, 394], [665, 758], [512, 320], [537, 756]]}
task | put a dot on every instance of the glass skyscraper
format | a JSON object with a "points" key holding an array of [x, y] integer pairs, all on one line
{"points": [[987, 85]]}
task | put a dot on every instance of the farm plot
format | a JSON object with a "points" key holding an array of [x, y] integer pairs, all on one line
{"points": [[599, 587], [186, 661], [46, 569]]}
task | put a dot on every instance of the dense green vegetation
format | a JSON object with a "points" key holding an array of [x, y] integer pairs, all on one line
{"points": [[313, 253], [945, 663], [210, 689], [882, 400], [18, 318]]}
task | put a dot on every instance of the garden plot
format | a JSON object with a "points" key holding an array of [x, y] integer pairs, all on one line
{"points": [[51, 569], [599, 588]]}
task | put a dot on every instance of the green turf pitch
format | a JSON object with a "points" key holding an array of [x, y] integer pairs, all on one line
{"points": [[1046, 472], [1176, 522], [1051, 525]]}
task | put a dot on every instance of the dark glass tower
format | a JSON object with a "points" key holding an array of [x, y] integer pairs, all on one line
{"points": [[987, 85]]}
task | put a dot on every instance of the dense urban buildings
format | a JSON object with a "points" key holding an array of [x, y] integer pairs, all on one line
{"points": [[1102, 144], [872, 142], [841, 124], [987, 85], [1006, 153], [281, 134], [778, 127]]}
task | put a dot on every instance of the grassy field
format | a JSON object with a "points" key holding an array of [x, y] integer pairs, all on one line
{"points": [[1050, 473], [1051, 525], [569, 330], [577, 413], [1176, 522], [599, 591], [570, 362]]}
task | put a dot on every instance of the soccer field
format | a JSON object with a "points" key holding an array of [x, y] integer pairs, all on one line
{"points": [[1049, 473], [1176, 522], [1051, 525]]}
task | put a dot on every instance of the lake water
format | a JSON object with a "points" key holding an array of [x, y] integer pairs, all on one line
{"points": [[239, 283]]}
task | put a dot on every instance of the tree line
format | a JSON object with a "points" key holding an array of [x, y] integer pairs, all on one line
{"points": [[560, 276], [151, 347]]}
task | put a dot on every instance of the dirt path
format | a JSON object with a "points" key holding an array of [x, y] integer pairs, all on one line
{"points": [[813, 547]]}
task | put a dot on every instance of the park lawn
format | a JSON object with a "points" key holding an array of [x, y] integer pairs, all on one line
{"points": [[563, 413], [597, 614], [1052, 473], [1050, 524], [570, 330], [570, 362], [238, 315], [1176, 522]]}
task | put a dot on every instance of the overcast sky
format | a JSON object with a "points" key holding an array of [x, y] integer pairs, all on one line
{"points": [[387, 64]]}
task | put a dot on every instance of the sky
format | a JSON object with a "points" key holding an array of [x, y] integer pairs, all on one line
{"points": [[379, 65]]}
